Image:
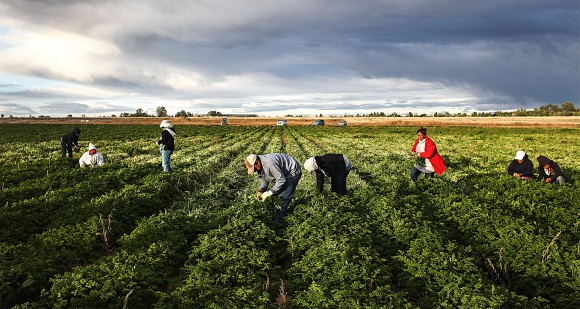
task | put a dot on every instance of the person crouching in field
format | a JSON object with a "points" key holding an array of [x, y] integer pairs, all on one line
{"points": [[280, 169], [335, 166], [521, 166], [91, 158], [429, 160], [550, 171], [70, 140], [166, 144]]}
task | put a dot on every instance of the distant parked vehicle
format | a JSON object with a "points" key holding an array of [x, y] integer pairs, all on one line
{"points": [[342, 123], [282, 122], [318, 122]]}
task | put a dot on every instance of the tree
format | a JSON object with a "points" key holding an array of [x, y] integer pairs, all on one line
{"points": [[181, 113], [214, 113], [568, 107], [161, 111], [2, 115]]}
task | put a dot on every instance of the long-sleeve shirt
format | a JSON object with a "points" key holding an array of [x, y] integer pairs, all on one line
{"points": [[276, 167], [526, 168], [167, 139]]}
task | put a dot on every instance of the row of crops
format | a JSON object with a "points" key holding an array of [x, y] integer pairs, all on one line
{"points": [[128, 235]]}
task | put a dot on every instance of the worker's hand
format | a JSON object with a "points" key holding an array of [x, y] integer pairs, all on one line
{"points": [[517, 175], [548, 179], [265, 195], [259, 196]]}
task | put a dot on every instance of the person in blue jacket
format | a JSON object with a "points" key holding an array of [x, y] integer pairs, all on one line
{"points": [[280, 170], [521, 166]]}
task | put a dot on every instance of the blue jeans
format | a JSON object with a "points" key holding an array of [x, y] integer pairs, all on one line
{"points": [[415, 173], [286, 196], [165, 160]]}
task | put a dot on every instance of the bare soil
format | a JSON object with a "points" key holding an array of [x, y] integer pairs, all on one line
{"points": [[539, 122]]}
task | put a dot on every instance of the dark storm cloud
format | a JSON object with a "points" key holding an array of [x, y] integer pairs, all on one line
{"points": [[508, 54]]}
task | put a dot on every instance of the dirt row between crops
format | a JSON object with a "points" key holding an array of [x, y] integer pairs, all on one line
{"points": [[529, 122]]}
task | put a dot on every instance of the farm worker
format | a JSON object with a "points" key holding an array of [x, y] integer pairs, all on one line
{"points": [[69, 140], [521, 166], [91, 158], [550, 171], [336, 166], [429, 160], [280, 169], [166, 144]]}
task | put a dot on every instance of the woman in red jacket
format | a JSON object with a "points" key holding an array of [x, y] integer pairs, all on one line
{"points": [[429, 160]]}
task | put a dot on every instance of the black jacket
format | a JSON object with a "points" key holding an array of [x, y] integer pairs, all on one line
{"points": [[525, 168], [167, 140], [556, 171], [72, 138], [331, 164]]}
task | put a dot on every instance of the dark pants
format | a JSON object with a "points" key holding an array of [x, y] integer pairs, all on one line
{"points": [[338, 183], [415, 173], [65, 148], [286, 196]]}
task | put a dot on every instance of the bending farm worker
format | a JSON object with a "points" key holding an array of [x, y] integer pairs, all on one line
{"points": [[70, 140], [521, 166], [336, 166], [550, 171], [280, 170], [429, 161], [91, 158], [166, 144]]}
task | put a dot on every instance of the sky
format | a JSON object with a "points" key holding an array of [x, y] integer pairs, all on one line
{"points": [[299, 57]]}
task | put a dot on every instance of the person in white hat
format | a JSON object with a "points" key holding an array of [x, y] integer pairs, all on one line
{"points": [[281, 170], [521, 166], [336, 166], [91, 158], [166, 144]]}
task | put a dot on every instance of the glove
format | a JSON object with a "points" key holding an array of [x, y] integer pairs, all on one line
{"points": [[259, 196], [265, 195]]}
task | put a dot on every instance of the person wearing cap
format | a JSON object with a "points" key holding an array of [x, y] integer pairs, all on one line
{"points": [[333, 165], [550, 171], [281, 170], [429, 160], [70, 140], [166, 144], [91, 158], [521, 166]]}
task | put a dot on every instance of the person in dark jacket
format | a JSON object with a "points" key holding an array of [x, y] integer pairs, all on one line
{"points": [[521, 166], [166, 144], [550, 171], [70, 140], [336, 166]]}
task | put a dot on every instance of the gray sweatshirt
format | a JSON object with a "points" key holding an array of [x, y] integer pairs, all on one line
{"points": [[276, 167]]}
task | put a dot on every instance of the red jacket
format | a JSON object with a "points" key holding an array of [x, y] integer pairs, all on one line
{"points": [[431, 154]]}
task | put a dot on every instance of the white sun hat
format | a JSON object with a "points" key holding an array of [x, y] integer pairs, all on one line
{"points": [[520, 155], [165, 124], [250, 160], [310, 165]]}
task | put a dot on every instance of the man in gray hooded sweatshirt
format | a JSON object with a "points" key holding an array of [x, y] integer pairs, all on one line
{"points": [[280, 169]]}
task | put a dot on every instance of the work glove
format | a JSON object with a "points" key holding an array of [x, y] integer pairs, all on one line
{"points": [[265, 195], [259, 196]]}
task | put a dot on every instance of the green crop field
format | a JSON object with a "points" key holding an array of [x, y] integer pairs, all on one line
{"points": [[128, 235]]}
